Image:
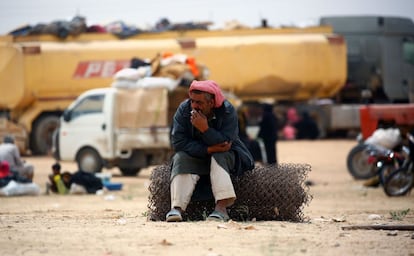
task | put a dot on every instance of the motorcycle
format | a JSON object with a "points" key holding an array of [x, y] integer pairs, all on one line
{"points": [[391, 161], [401, 180], [363, 158]]}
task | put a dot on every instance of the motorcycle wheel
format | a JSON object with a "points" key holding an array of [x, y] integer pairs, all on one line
{"points": [[357, 163], [399, 182], [385, 171]]}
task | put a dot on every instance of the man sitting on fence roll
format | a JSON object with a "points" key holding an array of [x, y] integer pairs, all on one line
{"points": [[205, 139]]}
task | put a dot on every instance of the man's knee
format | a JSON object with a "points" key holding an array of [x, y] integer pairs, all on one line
{"points": [[28, 170], [225, 159]]}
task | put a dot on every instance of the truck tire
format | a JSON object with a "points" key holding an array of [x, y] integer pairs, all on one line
{"points": [[131, 166], [357, 163], [88, 160], [42, 134], [130, 171]]}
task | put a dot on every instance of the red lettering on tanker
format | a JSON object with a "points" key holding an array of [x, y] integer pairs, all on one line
{"points": [[99, 69]]}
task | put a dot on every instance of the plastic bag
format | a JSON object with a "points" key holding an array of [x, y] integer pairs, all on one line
{"points": [[18, 189], [125, 84], [77, 189], [388, 138], [157, 82], [131, 74]]}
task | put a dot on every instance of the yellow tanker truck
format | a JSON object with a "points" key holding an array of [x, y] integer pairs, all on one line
{"points": [[347, 60], [41, 75]]}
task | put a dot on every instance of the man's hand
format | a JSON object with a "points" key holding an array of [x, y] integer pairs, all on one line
{"points": [[221, 147], [199, 121]]}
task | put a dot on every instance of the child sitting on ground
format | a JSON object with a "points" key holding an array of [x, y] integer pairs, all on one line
{"points": [[59, 183]]}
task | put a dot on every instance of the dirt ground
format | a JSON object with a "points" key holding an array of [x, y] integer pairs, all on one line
{"points": [[115, 223]]}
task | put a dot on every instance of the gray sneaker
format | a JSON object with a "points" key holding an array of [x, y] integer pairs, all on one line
{"points": [[173, 215]]}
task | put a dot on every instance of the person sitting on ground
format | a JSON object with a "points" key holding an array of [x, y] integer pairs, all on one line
{"points": [[5, 166], [10, 153], [51, 185], [58, 182], [12, 184], [289, 130], [6, 175], [306, 127], [205, 138]]}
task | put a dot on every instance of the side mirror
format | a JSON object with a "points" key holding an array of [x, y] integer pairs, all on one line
{"points": [[66, 115]]}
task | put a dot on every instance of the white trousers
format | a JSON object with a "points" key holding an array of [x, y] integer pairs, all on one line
{"points": [[183, 185]]}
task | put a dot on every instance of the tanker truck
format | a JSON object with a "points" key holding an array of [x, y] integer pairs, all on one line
{"points": [[41, 75], [324, 69]]}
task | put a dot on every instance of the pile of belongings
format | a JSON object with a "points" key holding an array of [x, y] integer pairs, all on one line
{"points": [[59, 28], [77, 25], [62, 29], [11, 184], [80, 182], [164, 25], [166, 70]]}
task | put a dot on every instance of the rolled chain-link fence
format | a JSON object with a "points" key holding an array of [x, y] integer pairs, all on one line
{"points": [[273, 192]]}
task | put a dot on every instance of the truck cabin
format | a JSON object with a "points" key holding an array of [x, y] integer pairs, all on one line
{"points": [[380, 58]]}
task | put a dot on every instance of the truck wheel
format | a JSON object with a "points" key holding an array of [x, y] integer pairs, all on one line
{"points": [[42, 134], [89, 160], [130, 171], [357, 163]]}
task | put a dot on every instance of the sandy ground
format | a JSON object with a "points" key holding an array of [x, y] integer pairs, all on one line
{"points": [[115, 223]]}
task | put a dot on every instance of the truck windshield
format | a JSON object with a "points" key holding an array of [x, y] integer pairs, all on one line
{"points": [[89, 105], [408, 49]]}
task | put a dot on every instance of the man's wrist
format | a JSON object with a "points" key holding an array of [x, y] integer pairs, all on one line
{"points": [[204, 130]]}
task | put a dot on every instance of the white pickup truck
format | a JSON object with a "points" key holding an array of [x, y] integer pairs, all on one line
{"points": [[114, 127]]}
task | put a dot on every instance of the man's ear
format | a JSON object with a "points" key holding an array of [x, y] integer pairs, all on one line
{"points": [[213, 101]]}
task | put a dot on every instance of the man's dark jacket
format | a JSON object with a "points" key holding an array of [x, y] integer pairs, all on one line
{"points": [[224, 127]]}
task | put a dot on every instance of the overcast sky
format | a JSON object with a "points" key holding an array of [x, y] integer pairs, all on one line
{"points": [[14, 13]]}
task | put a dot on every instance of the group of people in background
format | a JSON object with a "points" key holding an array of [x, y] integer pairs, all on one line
{"points": [[272, 127], [299, 126], [16, 175]]}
